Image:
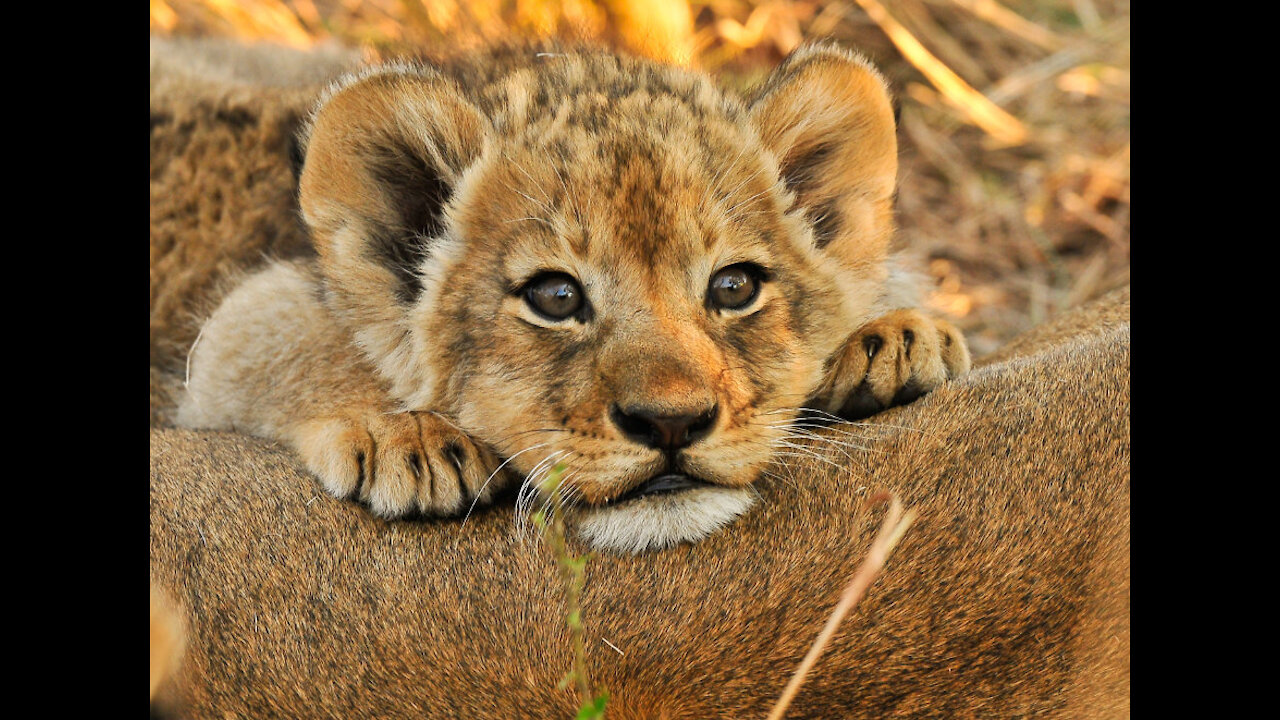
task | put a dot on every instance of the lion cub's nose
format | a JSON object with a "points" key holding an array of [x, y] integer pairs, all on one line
{"points": [[663, 432]]}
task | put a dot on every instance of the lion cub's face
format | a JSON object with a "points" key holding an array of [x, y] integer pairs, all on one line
{"points": [[608, 265], [637, 310]]}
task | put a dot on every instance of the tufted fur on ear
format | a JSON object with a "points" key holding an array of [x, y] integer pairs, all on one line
{"points": [[826, 116], [384, 152]]}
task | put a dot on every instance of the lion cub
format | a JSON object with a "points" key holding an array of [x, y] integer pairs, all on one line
{"points": [[532, 258]]}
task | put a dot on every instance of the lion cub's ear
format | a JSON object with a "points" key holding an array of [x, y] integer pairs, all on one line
{"points": [[826, 116], [384, 154]]}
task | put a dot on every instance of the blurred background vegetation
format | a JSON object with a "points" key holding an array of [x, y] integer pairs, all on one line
{"points": [[1014, 114]]}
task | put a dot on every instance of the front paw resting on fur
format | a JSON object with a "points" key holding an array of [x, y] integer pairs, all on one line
{"points": [[892, 360], [399, 463]]}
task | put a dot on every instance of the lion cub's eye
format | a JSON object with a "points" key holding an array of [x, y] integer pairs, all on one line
{"points": [[555, 296], [734, 287]]}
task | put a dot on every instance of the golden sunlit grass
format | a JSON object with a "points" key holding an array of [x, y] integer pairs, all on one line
{"points": [[1015, 183]]}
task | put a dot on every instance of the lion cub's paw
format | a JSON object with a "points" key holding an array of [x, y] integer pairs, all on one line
{"points": [[399, 463], [892, 360]]}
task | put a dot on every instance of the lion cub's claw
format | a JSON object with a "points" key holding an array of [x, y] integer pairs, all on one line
{"points": [[891, 361], [399, 463]]}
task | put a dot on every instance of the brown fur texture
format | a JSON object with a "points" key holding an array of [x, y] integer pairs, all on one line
{"points": [[223, 119], [407, 361], [1008, 597]]}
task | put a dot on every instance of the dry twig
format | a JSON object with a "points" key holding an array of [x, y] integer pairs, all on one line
{"points": [[895, 524], [1000, 125]]}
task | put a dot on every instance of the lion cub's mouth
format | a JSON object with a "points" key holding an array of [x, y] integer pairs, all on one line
{"points": [[664, 483], [670, 507]]}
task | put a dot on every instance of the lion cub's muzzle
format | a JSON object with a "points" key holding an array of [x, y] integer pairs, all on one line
{"points": [[669, 432], [675, 503]]}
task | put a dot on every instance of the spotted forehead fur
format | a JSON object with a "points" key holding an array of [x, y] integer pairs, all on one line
{"points": [[634, 149], [572, 88]]}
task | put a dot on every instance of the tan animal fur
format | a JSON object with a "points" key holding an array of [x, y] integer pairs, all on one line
{"points": [[1009, 597], [223, 119], [407, 362]]}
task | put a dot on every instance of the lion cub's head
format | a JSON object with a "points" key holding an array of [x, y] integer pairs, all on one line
{"points": [[607, 263]]}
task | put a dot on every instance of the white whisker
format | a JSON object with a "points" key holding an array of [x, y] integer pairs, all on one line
{"points": [[812, 457], [485, 484], [815, 438]]}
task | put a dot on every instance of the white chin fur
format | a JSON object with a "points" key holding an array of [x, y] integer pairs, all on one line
{"points": [[660, 521]]}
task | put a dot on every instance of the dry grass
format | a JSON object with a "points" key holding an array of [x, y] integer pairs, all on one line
{"points": [[892, 528], [1015, 115]]}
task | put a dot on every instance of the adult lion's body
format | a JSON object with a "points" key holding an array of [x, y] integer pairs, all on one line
{"points": [[1009, 596]]}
